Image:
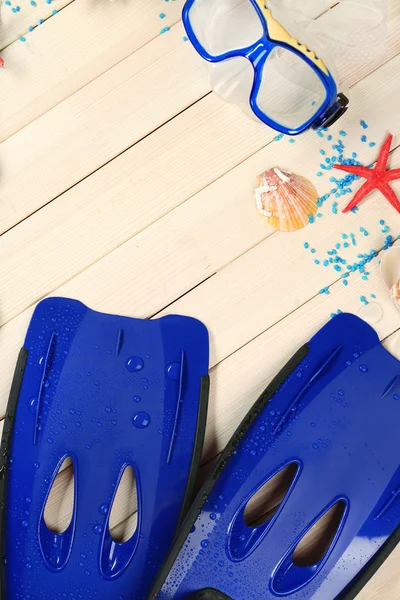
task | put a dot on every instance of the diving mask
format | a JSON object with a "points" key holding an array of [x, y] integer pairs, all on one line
{"points": [[287, 80]]}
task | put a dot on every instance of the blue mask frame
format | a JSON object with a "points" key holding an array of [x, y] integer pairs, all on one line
{"points": [[334, 105]]}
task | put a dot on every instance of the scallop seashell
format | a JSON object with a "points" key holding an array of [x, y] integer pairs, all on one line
{"points": [[285, 199], [395, 292]]}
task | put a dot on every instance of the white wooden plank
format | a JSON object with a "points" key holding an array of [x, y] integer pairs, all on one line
{"points": [[386, 581], [218, 423], [106, 117], [67, 52], [150, 179], [13, 25], [95, 124], [237, 381], [385, 584], [122, 199], [277, 276], [206, 233]]}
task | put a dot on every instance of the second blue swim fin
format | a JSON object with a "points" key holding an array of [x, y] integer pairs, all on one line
{"points": [[304, 502], [109, 393]]}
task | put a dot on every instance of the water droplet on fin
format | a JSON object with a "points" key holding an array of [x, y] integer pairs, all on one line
{"points": [[141, 420], [173, 371], [134, 364]]}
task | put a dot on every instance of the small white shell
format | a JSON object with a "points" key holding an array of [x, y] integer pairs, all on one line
{"points": [[286, 199], [390, 271], [390, 266]]}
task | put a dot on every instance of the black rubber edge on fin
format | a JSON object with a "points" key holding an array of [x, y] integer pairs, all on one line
{"points": [[197, 449], [4, 450], [207, 594], [223, 460], [357, 584]]}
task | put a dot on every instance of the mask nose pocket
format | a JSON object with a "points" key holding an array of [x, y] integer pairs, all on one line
{"points": [[232, 79]]}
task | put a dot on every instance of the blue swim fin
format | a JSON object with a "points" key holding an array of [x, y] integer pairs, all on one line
{"points": [[109, 393], [326, 434]]}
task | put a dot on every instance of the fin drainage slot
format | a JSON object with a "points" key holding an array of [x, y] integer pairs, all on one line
{"points": [[310, 550], [55, 534], [119, 543]]}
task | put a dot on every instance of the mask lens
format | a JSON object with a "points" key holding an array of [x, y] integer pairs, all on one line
{"points": [[291, 92], [222, 26]]}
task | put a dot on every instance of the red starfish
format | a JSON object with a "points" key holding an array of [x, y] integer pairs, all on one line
{"points": [[377, 178]]}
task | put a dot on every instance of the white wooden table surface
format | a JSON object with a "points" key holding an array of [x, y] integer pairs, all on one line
{"points": [[125, 183]]}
